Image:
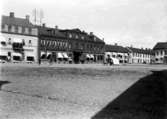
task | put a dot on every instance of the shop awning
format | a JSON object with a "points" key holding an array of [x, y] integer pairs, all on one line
{"points": [[108, 54], [16, 54], [120, 54], [3, 53], [2, 39], [59, 55], [87, 56], [91, 56], [17, 40], [42, 53], [49, 53], [65, 55]]}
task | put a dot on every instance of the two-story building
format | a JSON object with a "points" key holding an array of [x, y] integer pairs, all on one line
{"points": [[160, 50], [139, 55], [118, 52], [19, 41], [84, 47]]}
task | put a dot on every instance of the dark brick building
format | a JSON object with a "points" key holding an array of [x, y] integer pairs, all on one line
{"points": [[83, 46], [75, 45]]}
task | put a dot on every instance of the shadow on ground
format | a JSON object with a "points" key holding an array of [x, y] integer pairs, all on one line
{"points": [[146, 99], [3, 83]]}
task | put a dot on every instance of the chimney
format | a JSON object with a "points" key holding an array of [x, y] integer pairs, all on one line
{"points": [[103, 39], [43, 25], [11, 14], [27, 17], [56, 27], [91, 33], [116, 44]]}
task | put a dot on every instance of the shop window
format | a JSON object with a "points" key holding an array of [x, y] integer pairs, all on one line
{"points": [[3, 43], [30, 58], [17, 58]]}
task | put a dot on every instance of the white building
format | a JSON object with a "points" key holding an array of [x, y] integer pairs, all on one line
{"points": [[19, 39], [140, 56], [117, 52], [160, 50]]}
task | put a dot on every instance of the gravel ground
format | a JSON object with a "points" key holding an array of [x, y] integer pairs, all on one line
{"points": [[64, 91]]}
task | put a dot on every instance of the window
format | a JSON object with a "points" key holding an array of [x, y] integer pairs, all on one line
{"points": [[3, 26], [16, 29], [9, 41], [3, 43], [17, 58], [29, 30], [29, 42], [76, 37], [165, 52], [23, 30], [23, 41], [70, 35], [9, 28], [82, 37], [161, 52], [30, 58]]}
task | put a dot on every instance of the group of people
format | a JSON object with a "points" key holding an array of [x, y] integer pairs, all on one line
{"points": [[108, 60]]}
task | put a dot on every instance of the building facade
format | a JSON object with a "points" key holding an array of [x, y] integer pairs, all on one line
{"points": [[53, 45], [118, 52], [140, 56], [84, 47], [160, 50], [19, 41]]}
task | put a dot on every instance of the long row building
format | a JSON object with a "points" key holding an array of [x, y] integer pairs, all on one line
{"points": [[21, 41]]}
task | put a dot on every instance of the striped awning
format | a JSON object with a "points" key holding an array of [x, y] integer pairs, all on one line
{"points": [[65, 55], [2, 53], [87, 55], [17, 40], [91, 56], [16, 54], [42, 53], [59, 55]]}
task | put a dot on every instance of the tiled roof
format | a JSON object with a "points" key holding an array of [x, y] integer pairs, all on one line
{"points": [[16, 21], [116, 48], [89, 37], [160, 45], [142, 51], [50, 32]]}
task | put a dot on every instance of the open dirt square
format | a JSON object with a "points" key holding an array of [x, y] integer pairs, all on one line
{"points": [[82, 91]]}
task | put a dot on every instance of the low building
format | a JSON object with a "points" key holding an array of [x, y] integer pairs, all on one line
{"points": [[160, 50], [140, 56], [53, 45], [19, 41], [84, 47], [118, 52]]}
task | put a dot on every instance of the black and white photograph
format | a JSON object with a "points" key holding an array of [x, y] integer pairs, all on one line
{"points": [[83, 59]]}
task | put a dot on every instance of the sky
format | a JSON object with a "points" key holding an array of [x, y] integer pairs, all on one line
{"points": [[137, 23]]}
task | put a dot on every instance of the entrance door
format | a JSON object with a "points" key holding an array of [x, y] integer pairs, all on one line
{"points": [[76, 56]]}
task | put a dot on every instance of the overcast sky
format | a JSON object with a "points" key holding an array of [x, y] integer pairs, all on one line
{"points": [[140, 23]]}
